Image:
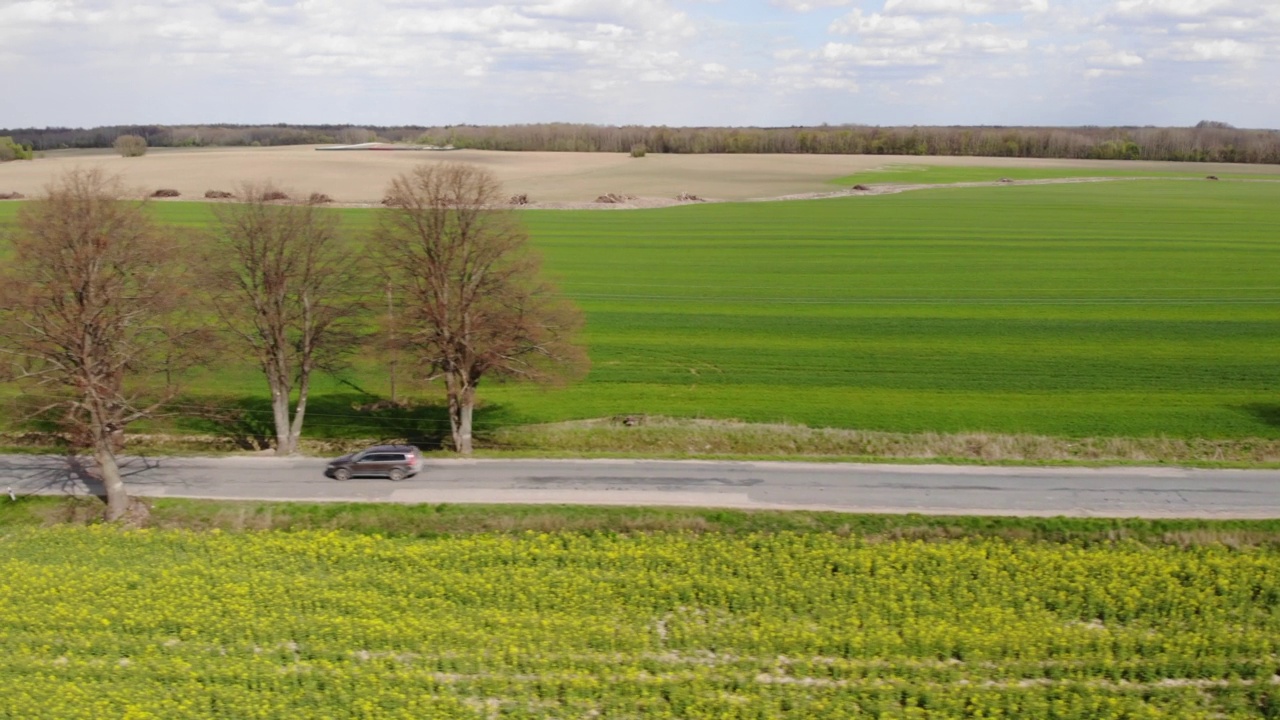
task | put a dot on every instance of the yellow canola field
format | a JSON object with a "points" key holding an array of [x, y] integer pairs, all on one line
{"points": [[102, 623]]}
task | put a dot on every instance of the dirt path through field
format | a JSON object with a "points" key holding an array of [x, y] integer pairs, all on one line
{"points": [[550, 180]]}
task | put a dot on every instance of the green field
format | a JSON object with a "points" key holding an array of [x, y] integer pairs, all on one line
{"points": [[936, 174], [100, 622], [1141, 308]]}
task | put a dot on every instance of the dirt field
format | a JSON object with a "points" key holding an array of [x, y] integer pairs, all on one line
{"points": [[549, 179]]}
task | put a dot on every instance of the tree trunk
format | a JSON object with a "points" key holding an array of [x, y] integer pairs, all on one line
{"points": [[295, 431], [462, 400], [464, 424], [109, 473], [280, 413]]}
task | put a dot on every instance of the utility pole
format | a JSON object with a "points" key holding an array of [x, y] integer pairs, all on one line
{"points": [[391, 339]]}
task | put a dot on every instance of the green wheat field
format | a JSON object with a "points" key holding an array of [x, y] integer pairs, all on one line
{"points": [[1133, 308]]}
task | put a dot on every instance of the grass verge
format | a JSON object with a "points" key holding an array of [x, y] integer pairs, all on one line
{"points": [[436, 520], [687, 438]]}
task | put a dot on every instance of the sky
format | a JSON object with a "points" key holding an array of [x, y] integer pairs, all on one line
{"points": [[83, 63]]}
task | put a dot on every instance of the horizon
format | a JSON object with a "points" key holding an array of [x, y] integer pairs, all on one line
{"points": [[1217, 124]]}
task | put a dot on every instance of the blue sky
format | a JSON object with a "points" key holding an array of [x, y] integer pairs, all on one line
{"points": [[772, 62]]}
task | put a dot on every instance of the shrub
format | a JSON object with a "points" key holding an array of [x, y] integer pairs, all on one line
{"points": [[218, 195], [131, 145], [638, 150], [10, 150], [166, 193], [319, 199], [271, 195]]}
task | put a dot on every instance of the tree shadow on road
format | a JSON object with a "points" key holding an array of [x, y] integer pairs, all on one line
{"points": [[70, 474]]}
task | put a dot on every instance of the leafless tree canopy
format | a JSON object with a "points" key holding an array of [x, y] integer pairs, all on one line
{"points": [[131, 145], [286, 289], [91, 320], [475, 304]]}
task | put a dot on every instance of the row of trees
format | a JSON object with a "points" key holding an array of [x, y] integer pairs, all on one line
{"points": [[56, 138], [102, 310], [1208, 141]]}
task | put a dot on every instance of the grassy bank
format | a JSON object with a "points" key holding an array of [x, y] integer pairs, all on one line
{"points": [[427, 520], [683, 438]]}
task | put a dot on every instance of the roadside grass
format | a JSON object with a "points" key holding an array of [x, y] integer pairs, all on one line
{"points": [[935, 174], [634, 436], [1139, 310], [438, 520]]}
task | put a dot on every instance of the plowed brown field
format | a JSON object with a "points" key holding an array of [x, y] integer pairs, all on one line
{"points": [[549, 179]]}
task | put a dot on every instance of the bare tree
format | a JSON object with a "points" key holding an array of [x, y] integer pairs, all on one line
{"points": [[285, 287], [131, 145], [474, 304], [356, 135], [90, 314]]}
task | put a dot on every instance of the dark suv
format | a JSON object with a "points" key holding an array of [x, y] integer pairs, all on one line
{"points": [[396, 462]]}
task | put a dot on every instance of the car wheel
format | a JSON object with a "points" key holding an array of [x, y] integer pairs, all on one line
{"points": [[397, 474], [342, 474]]}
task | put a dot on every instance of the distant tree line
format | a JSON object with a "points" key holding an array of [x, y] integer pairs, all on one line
{"points": [[62, 138], [1208, 141]]}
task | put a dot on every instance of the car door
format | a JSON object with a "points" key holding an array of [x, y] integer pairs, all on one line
{"points": [[377, 463]]}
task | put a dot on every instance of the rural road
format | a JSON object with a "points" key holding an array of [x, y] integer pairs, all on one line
{"points": [[931, 489]]}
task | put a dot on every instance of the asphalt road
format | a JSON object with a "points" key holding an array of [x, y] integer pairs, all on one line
{"points": [[932, 489]]}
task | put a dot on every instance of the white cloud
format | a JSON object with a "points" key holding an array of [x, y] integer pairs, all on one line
{"points": [[1212, 51], [805, 6], [1171, 8], [892, 26], [964, 7], [878, 55], [1123, 59], [635, 61], [49, 12]]}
